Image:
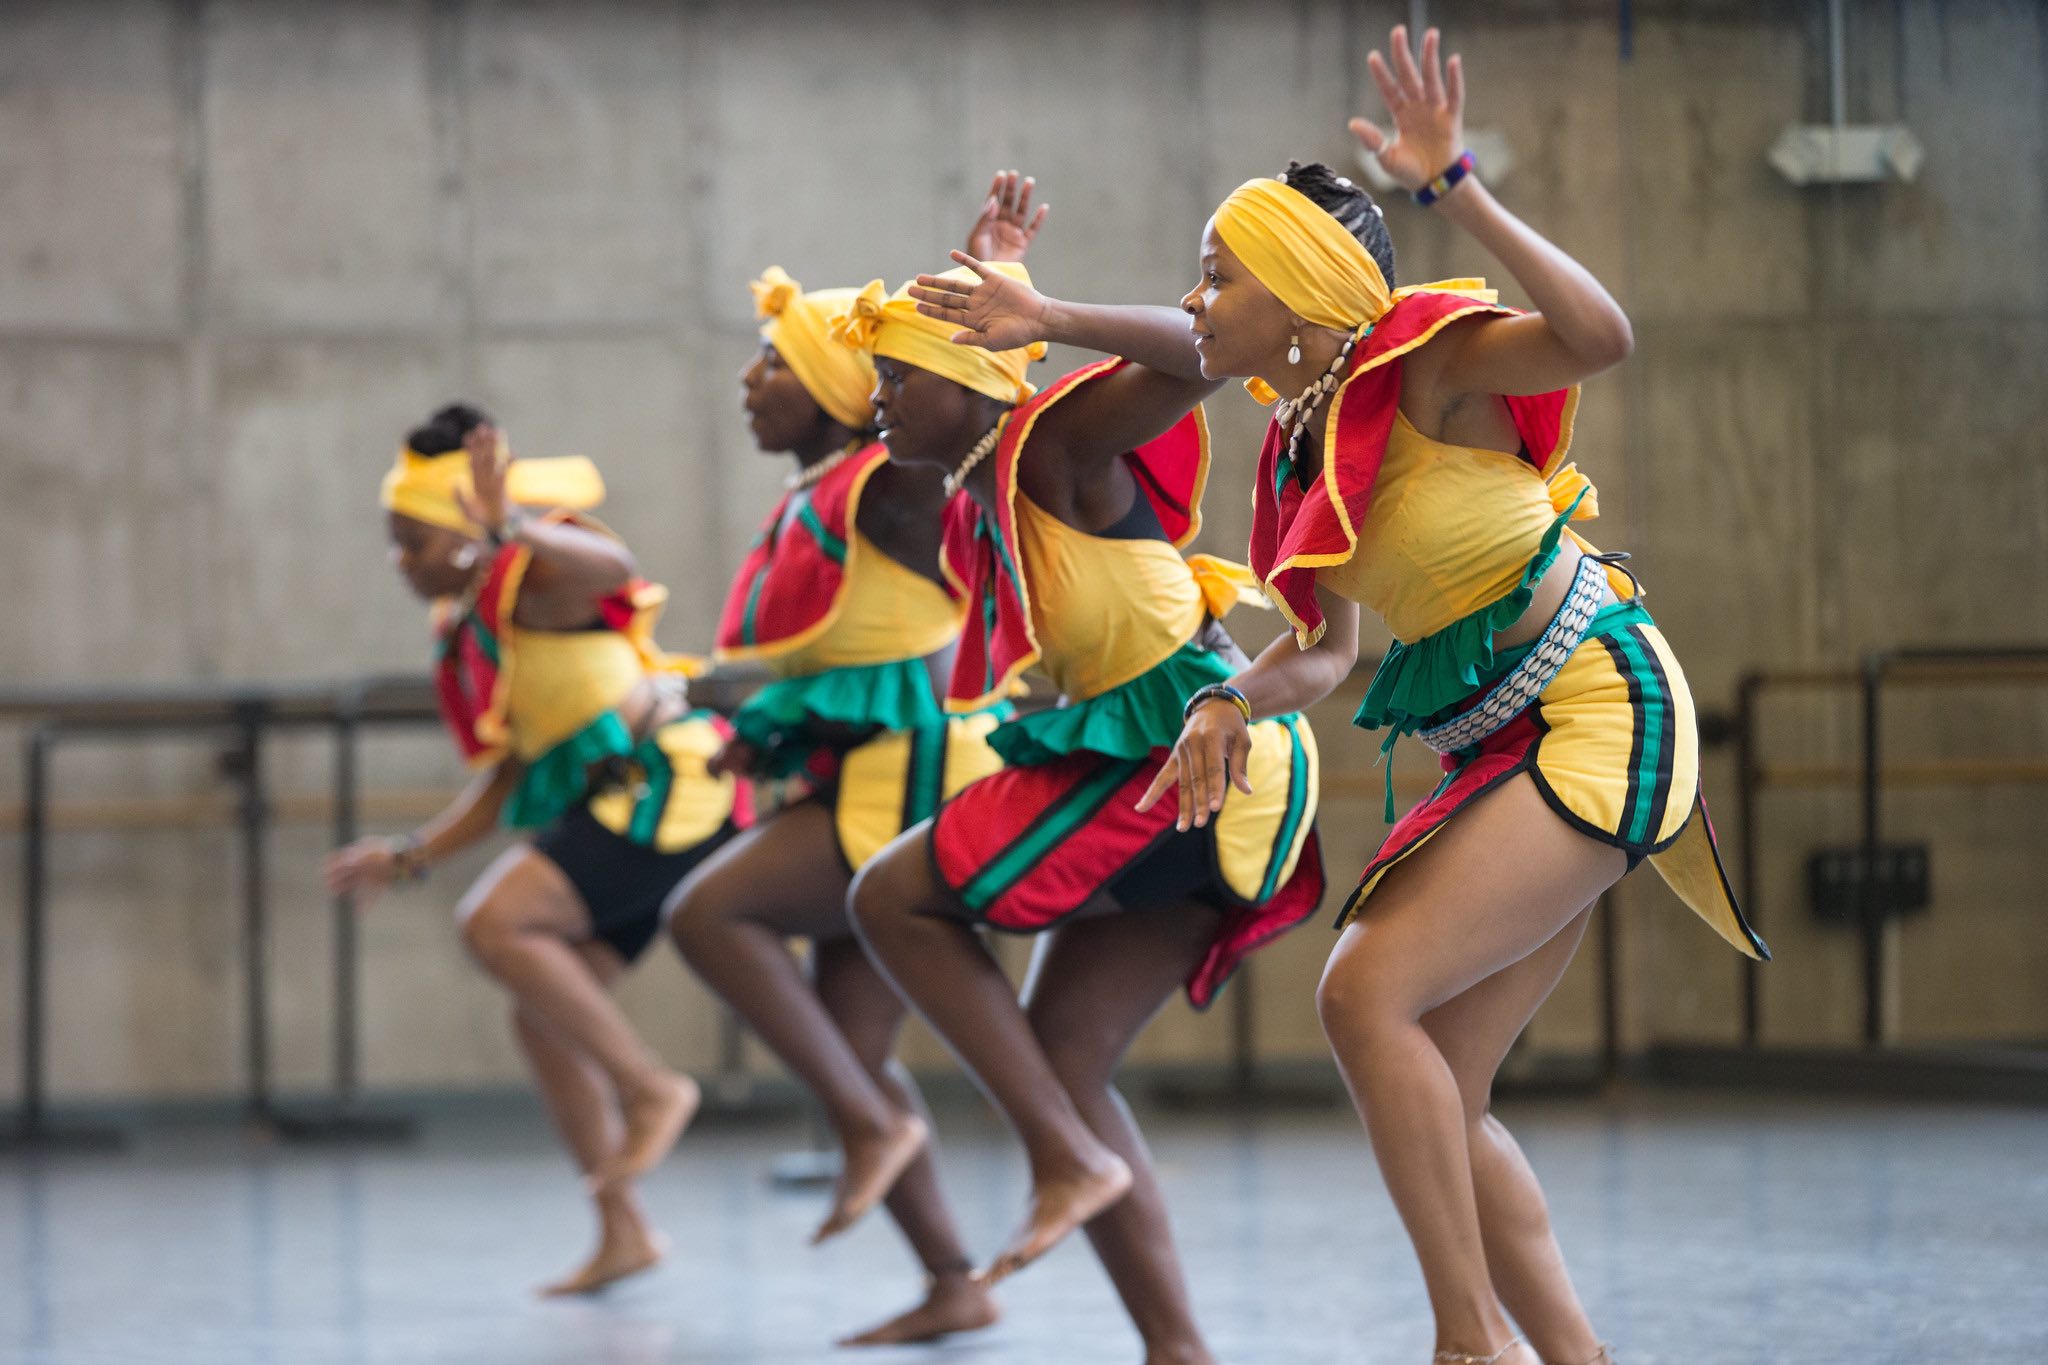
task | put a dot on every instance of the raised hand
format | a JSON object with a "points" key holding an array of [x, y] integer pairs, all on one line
{"points": [[488, 456], [1426, 102], [996, 314], [1006, 226]]}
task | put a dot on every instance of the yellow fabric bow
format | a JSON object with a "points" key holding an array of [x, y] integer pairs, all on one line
{"points": [[890, 325], [429, 488], [773, 291]]}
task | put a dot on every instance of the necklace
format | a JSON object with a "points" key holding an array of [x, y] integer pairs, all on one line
{"points": [[1294, 414], [811, 475], [958, 478]]}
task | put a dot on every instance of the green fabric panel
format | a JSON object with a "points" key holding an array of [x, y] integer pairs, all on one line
{"points": [[778, 719], [559, 780], [1125, 722]]}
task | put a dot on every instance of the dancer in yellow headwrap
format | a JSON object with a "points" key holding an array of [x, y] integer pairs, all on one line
{"points": [[841, 598], [549, 682], [1066, 536], [1417, 468]]}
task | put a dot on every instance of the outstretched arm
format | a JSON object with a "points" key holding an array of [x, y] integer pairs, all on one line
{"points": [[1108, 419], [1000, 313], [364, 869], [1214, 750], [1578, 329]]}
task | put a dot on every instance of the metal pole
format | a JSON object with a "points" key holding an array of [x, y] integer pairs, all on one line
{"points": [[1746, 794], [248, 760], [1869, 912], [1244, 1058], [347, 730], [34, 885], [1838, 96]]}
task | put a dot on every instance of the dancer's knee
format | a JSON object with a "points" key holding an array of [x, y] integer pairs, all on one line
{"points": [[695, 911], [887, 890], [487, 928], [1357, 994]]}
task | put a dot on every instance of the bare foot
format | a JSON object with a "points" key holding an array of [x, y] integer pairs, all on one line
{"points": [[870, 1169], [956, 1303], [619, 1256], [655, 1118], [1058, 1206]]}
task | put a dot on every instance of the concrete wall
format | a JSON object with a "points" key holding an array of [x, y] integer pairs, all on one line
{"points": [[244, 244]]}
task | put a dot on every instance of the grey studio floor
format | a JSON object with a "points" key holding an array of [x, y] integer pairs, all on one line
{"points": [[1703, 1228]]}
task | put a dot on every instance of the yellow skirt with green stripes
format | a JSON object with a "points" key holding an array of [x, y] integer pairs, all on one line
{"points": [[1613, 746], [900, 778]]}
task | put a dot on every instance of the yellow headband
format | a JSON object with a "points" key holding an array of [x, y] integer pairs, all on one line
{"points": [[890, 325], [1296, 249], [424, 487], [799, 327]]}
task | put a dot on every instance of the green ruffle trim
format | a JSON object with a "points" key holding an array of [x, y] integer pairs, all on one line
{"points": [[559, 780], [1125, 722], [1418, 681], [779, 719]]}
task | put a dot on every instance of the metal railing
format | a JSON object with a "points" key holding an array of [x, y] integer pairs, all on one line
{"points": [[1870, 775], [239, 718]]}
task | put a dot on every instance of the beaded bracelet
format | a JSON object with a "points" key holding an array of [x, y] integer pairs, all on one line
{"points": [[506, 531], [1211, 693], [1448, 180], [407, 859]]}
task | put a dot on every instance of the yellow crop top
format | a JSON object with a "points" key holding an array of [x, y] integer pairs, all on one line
{"points": [[1106, 610], [563, 680], [887, 612], [1450, 530]]}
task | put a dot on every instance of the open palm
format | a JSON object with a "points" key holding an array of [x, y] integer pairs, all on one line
{"points": [[1007, 225], [486, 505], [997, 313], [1425, 101]]}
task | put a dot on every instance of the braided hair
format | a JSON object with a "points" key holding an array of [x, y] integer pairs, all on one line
{"points": [[1349, 204], [445, 430]]}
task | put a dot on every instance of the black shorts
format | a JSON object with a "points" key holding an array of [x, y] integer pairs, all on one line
{"points": [[623, 884]]}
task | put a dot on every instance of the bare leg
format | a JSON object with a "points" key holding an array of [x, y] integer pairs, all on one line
{"points": [[869, 1014], [1474, 1032], [1488, 890], [522, 921], [943, 969], [730, 919], [585, 1113], [1091, 992]]}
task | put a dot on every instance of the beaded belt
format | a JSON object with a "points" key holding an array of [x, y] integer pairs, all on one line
{"points": [[1525, 682]]}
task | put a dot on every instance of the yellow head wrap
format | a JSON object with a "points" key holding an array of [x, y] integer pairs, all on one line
{"points": [[424, 487], [890, 325], [799, 327], [1296, 249]]}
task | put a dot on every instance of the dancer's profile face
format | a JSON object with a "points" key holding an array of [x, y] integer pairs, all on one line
{"points": [[780, 411], [1240, 328], [434, 561], [925, 418]]}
